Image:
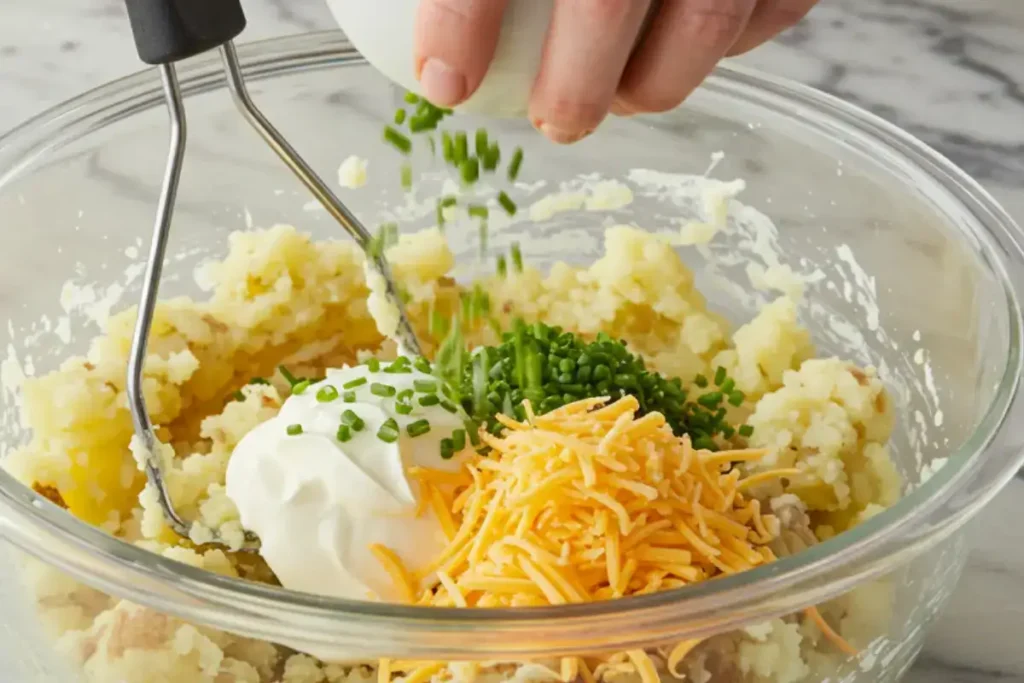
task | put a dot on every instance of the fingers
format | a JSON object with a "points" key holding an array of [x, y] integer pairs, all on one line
{"points": [[683, 45], [455, 42], [585, 52], [770, 18]]}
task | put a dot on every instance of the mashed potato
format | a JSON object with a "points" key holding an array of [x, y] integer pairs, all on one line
{"points": [[280, 298]]}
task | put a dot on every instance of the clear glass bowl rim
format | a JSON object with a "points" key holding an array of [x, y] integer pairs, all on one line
{"points": [[920, 520]]}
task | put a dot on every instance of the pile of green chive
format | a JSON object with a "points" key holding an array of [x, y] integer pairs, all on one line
{"points": [[552, 368]]}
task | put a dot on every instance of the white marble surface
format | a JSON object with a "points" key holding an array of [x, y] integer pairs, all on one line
{"points": [[949, 71]]}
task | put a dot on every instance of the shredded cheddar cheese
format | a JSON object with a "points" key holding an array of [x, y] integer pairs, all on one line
{"points": [[590, 502]]}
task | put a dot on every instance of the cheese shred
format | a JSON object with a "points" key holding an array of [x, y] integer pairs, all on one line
{"points": [[590, 502]]}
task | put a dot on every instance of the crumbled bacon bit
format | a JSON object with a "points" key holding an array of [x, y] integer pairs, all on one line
{"points": [[51, 494]]}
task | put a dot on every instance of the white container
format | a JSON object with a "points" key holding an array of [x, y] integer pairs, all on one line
{"points": [[383, 32]]}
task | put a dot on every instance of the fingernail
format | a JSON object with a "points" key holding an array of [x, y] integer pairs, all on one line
{"points": [[561, 136], [620, 109], [442, 85]]}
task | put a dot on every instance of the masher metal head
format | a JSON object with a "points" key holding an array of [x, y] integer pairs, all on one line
{"points": [[167, 31]]}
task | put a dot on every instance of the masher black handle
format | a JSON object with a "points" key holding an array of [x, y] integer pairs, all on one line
{"points": [[171, 30]]}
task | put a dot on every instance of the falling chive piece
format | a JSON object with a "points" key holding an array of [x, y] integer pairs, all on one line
{"points": [[478, 211], [461, 152], [481, 142], [447, 449], [373, 364], [326, 394], [746, 431], [418, 428], [397, 140], [382, 390], [459, 439], [719, 376], [425, 386], [517, 257], [399, 117], [429, 400], [344, 433], [515, 164], [294, 430], [300, 388], [357, 382], [502, 266], [507, 204], [406, 177], [469, 170]]}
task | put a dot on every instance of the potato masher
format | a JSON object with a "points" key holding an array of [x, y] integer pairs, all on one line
{"points": [[165, 32]]}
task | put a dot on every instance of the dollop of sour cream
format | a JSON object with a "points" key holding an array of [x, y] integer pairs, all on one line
{"points": [[318, 503]]}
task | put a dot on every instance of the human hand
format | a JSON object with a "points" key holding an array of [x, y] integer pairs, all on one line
{"points": [[589, 65]]}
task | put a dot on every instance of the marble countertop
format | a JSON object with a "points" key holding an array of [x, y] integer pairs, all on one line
{"points": [[949, 71]]}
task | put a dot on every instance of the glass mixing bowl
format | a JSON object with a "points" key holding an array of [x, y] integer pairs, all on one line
{"points": [[914, 269]]}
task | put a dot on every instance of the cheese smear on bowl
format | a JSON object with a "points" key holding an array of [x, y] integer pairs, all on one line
{"points": [[319, 503]]}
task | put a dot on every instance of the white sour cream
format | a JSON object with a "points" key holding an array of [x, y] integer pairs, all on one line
{"points": [[318, 503]]}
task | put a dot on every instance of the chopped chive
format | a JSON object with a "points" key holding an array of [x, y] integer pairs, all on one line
{"points": [[473, 430], [746, 431], [478, 211], [447, 147], [344, 433], [422, 364], [461, 152], [711, 399], [382, 390], [294, 430], [701, 381], [238, 395], [491, 158], [426, 386], [373, 364], [507, 204], [515, 164], [399, 117], [728, 385], [450, 407], [418, 124], [440, 217], [288, 377], [459, 439], [406, 177], [447, 449], [483, 232], [412, 98], [502, 266], [352, 420], [259, 380], [469, 169], [404, 395], [398, 366], [432, 145], [429, 400], [719, 376], [326, 394], [418, 428], [388, 432], [301, 387], [403, 408], [349, 397], [357, 382], [397, 140], [481, 142], [517, 257], [448, 201]]}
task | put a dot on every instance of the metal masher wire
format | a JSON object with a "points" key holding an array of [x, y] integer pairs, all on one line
{"points": [[176, 40]]}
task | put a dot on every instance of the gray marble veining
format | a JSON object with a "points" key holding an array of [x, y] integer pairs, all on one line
{"points": [[948, 71]]}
